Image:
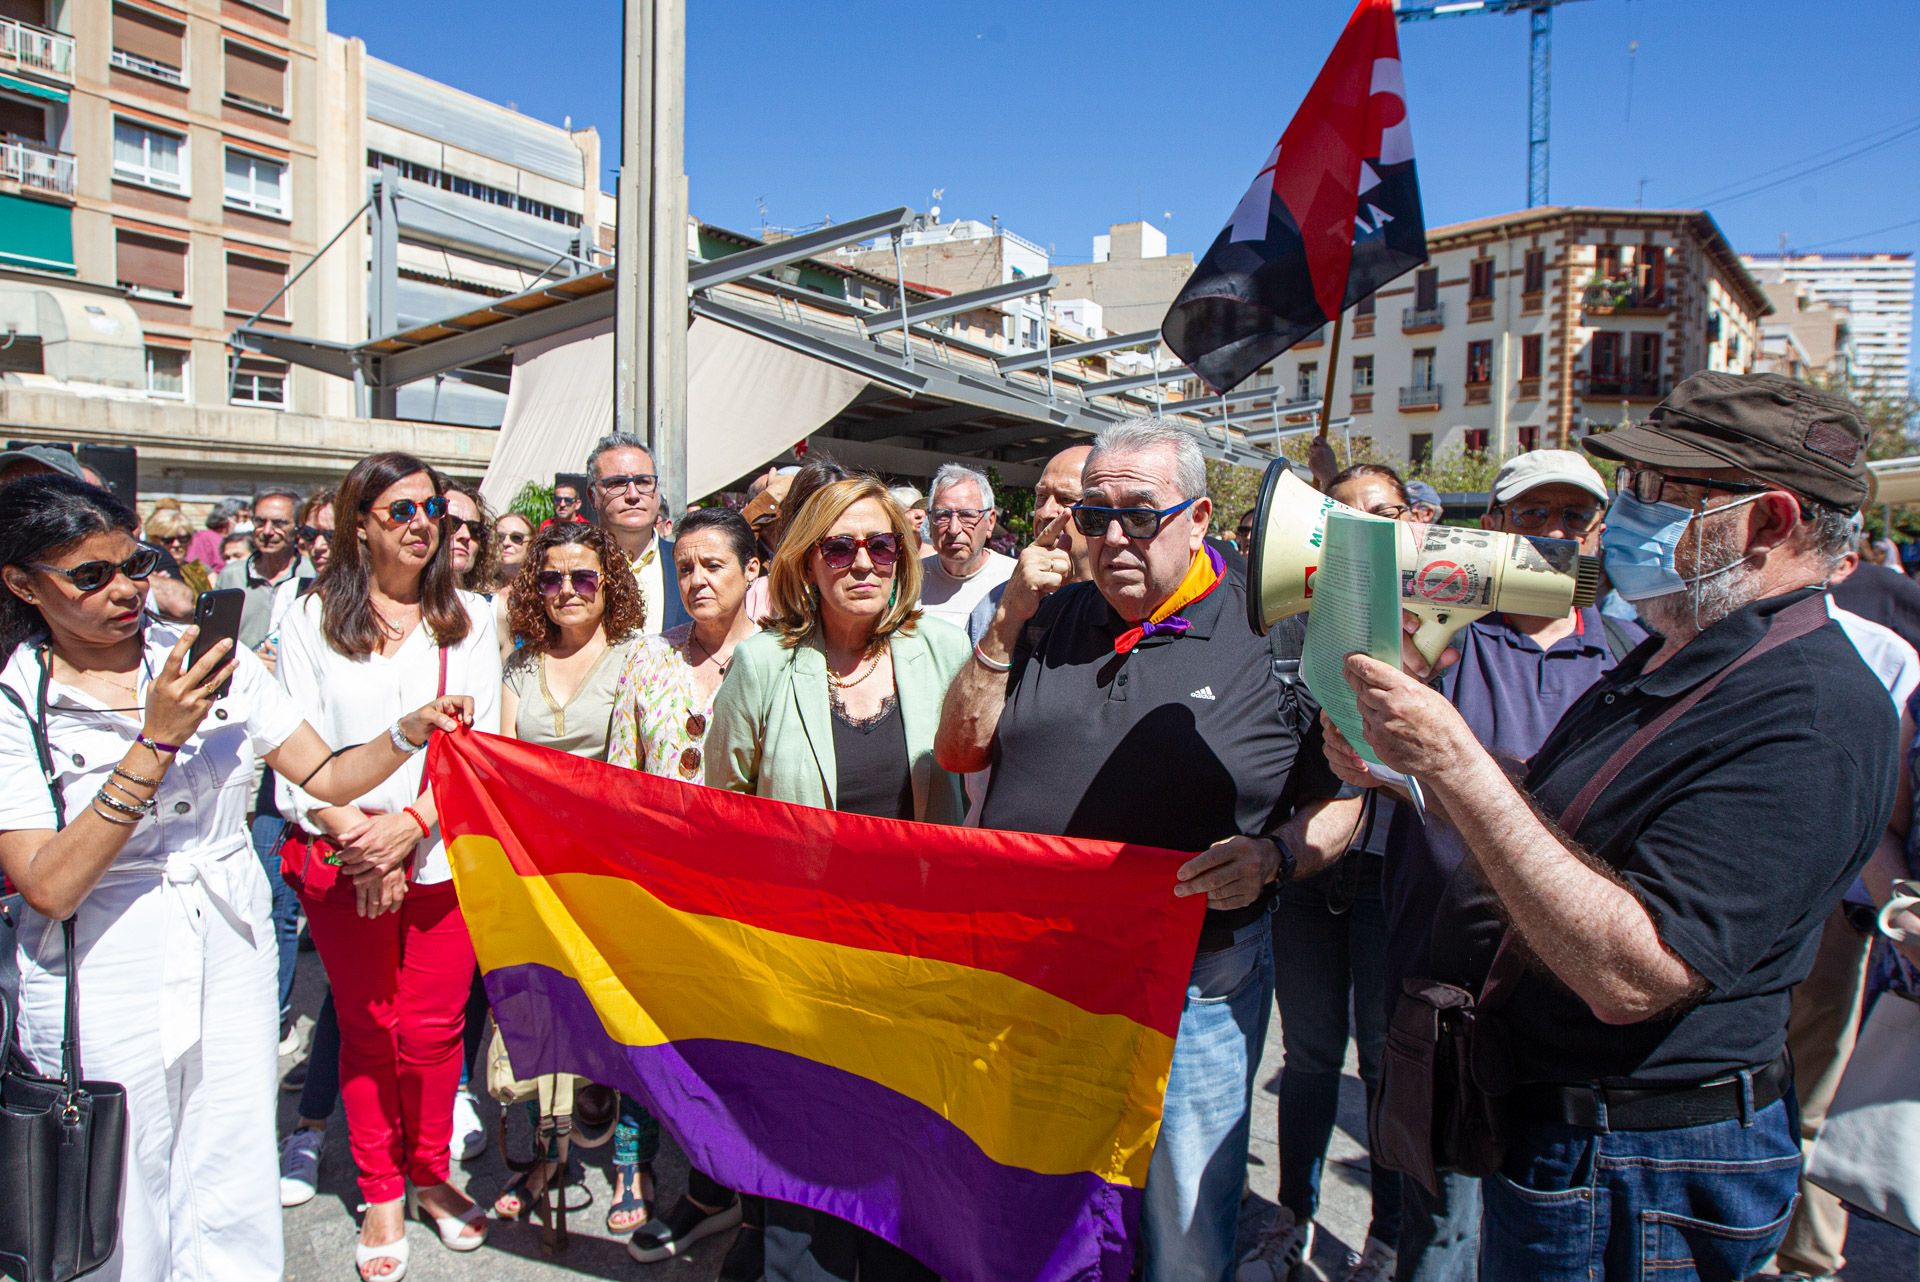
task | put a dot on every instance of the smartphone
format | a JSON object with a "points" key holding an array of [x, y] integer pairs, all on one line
{"points": [[217, 615]]}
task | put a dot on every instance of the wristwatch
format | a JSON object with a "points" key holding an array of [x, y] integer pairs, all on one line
{"points": [[1288, 864]]}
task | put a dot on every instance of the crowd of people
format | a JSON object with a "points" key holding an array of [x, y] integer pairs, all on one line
{"points": [[1670, 932]]}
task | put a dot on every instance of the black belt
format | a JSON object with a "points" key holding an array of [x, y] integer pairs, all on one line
{"points": [[1654, 1108]]}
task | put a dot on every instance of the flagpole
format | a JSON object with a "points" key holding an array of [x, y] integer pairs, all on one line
{"points": [[1333, 372]]}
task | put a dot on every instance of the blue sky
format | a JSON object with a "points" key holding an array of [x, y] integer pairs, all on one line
{"points": [[1063, 117]]}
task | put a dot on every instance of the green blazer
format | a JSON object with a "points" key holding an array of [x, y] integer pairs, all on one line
{"points": [[772, 731]]}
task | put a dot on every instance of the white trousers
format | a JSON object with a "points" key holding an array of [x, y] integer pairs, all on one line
{"points": [[161, 953]]}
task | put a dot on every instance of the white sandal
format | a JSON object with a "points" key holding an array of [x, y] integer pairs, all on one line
{"points": [[451, 1228], [396, 1251]]}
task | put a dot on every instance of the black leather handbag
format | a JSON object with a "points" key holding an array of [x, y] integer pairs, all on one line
{"points": [[63, 1140]]}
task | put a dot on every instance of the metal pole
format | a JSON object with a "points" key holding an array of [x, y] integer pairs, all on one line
{"points": [[666, 209], [630, 249], [1333, 372], [383, 286], [1539, 100], [900, 286]]}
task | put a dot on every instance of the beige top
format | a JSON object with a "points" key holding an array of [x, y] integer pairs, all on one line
{"points": [[580, 725]]}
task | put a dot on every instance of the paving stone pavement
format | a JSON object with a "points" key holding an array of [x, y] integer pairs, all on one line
{"points": [[321, 1234]]}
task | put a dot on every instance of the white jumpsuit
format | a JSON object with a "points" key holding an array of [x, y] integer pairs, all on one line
{"points": [[178, 965]]}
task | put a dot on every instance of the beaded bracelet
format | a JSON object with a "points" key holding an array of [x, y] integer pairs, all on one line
{"points": [[138, 812], [139, 779], [414, 815]]}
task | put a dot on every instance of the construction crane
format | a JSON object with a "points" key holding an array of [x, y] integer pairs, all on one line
{"points": [[1539, 69]]}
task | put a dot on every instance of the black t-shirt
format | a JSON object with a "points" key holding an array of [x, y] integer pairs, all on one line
{"points": [[1739, 828], [1182, 743], [873, 775], [1886, 596]]}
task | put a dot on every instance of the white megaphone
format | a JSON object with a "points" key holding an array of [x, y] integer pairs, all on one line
{"points": [[1448, 576]]}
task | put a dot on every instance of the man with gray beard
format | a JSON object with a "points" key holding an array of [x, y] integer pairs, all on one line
{"points": [[1645, 899]]}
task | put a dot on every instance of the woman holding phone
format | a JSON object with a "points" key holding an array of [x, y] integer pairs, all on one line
{"points": [[385, 623], [136, 829]]}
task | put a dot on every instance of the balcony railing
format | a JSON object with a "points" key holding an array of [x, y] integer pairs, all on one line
{"points": [[36, 166], [1423, 317], [1424, 396], [128, 61], [36, 48], [1631, 387]]}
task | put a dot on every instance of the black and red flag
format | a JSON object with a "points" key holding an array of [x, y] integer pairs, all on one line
{"points": [[1332, 216]]}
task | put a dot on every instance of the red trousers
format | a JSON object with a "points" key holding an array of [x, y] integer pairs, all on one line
{"points": [[400, 984]]}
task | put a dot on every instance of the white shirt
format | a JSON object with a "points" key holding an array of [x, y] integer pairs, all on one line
{"points": [[200, 810], [1885, 651], [351, 701], [651, 576], [944, 597]]}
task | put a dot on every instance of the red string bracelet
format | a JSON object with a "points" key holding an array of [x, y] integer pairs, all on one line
{"points": [[415, 816]]}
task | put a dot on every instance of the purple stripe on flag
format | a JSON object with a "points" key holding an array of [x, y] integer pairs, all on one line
{"points": [[785, 1127]]}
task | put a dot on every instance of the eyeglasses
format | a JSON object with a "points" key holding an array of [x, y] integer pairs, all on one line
{"points": [[957, 515], [839, 550], [313, 534], [1135, 522], [515, 537], [402, 511], [690, 755], [272, 523], [1391, 511], [566, 500], [473, 527], [642, 482], [91, 576], [585, 582], [1649, 486], [1538, 516], [172, 539]]}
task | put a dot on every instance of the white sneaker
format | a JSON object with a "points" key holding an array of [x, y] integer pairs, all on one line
{"points": [[1374, 1264], [469, 1132], [300, 1166], [1274, 1258]]}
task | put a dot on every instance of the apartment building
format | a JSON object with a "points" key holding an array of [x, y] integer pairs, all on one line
{"points": [[1805, 338], [1530, 329], [1875, 290], [957, 257], [1131, 276]]}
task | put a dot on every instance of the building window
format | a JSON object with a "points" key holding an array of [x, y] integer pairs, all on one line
{"points": [[1646, 361], [167, 373], [1306, 381], [1606, 261], [256, 183], [1480, 361], [1420, 447], [1605, 364], [150, 157], [150, 266], [149, 45], [1480, 279], [251, 282], [1475, 440], [1530, 438], [1535, 271], [1423, 369], [474, 190], [21, 119], [1426, 289], [1363, 373], [1530, 345], [255, 79], [259, 382], [1364, 307]]}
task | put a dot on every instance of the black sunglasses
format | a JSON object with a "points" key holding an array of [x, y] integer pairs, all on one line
{"points": [[838, 550], [1135, 522], [401, 511], [475, 527], [309, 533], [585, 582], [91, 576]]}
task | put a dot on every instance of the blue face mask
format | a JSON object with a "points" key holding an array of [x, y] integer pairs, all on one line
{"points": [[1638, 544]]}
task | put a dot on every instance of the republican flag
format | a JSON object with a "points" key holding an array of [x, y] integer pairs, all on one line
{"points": [[1332, 216], [958, 1039]]}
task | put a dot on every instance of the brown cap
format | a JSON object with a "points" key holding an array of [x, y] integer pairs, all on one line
{"points": [[1779, 430]]}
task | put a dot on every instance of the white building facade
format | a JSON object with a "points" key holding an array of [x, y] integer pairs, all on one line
{"points": [[1876, 291]]}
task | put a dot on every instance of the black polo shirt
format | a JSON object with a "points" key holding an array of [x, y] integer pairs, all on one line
{"points": [[1739, 828], [1179, 744]]}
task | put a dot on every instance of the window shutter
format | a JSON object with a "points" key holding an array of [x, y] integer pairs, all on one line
{"points": [[251, 282], [153, 264], [148, 35], [256, 77]]}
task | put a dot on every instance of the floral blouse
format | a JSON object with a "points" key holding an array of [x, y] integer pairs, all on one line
{"points": [[659, 719]]}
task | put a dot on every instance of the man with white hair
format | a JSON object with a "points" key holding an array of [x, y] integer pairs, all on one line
{"points": [[961, 569], [1142, 707], [1642, 901]]}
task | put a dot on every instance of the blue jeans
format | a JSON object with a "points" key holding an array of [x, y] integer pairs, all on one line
{"points": [[1439, 1237], [1699, 1202], [1332, 929], [265, 831], [321, 1094], [1192, 1205]]}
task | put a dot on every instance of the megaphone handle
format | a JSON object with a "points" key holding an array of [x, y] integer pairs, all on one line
{"points": [[1433, 637]]}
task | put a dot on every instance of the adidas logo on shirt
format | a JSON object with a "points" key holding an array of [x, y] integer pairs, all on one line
{"points": [[1204, 692]]}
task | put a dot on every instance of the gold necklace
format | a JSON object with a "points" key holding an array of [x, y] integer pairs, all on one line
{"points": [[847, 683]]}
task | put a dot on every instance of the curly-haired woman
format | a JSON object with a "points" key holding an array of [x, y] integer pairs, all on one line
{"points": [[576, 610]]}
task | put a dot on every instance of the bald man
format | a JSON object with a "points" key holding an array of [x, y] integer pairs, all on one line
{"points": [[1057, 490]]}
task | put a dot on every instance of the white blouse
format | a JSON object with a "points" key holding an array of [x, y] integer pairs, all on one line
{"points": [[352, 701]]}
